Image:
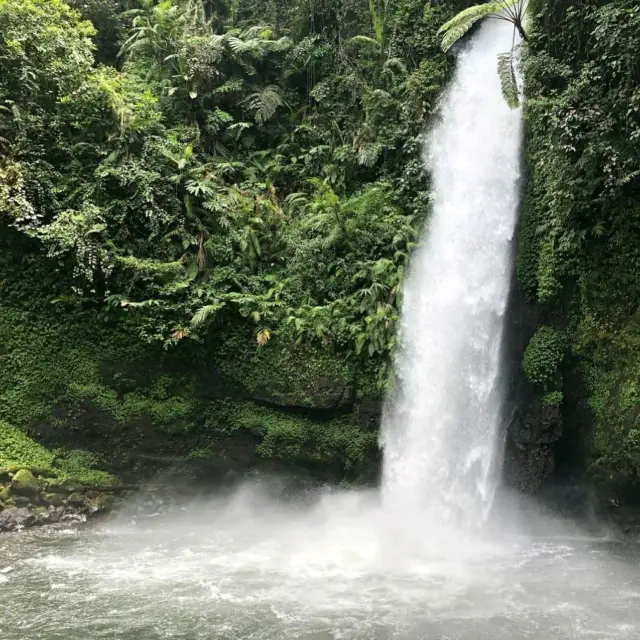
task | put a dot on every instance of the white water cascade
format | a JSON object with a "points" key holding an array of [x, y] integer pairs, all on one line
{"points": [[441, 433]]}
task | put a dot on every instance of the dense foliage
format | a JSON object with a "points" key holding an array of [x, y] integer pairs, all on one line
{"points": [[209, 185], [228, 159], [580, 241], [207, 208]]}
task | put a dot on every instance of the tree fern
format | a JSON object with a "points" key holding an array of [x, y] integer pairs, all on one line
{"points": [[510, 10]]}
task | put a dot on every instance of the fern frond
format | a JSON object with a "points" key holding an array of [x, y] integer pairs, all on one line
{"points": [[508, 82], [455, 28], [366, 40], [236, 44], [263, 336], [256, 31], [205, 313], [395, 63], [264, 103], [368, 154], [277, 46]]}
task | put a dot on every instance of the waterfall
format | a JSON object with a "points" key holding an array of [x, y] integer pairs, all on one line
{"points": [[441, 429]]}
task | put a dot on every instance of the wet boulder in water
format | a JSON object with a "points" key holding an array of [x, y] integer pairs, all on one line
{"points": [[13, 518], [54, 499], [76, 499]]}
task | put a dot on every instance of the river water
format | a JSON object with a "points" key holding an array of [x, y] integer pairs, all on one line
{"points": [[332, 566]]}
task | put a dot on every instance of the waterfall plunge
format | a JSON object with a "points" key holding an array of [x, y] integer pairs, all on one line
{"points": [[441, 431]]}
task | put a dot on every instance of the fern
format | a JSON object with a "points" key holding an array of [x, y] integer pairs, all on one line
{"points": [[297, 200], [397, 64], [366, 40], [264, 103], [279, 45], [205, 314], [368, 154], [512, 11], [508, 82], [454, 29]]}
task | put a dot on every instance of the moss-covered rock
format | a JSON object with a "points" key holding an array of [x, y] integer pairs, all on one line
{"points": [[289, 374], [24, 483], [57, 487], [76, 499], [54, 499], [22, 501], [5, 493], [104, 502]]}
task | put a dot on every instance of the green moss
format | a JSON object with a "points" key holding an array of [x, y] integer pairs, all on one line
{"points": [[204, 452], [17, 448], [289, 437], [528, 250], [549, 271], [82, 467], [287, 373], [78, 377], [544, 355], [23, 455], [553, 399]]}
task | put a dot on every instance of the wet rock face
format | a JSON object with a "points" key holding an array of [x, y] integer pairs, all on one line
{"points": [[532, 427], [529, 454]]}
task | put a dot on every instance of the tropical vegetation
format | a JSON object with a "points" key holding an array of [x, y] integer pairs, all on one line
{"points": [[207, 208]]}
